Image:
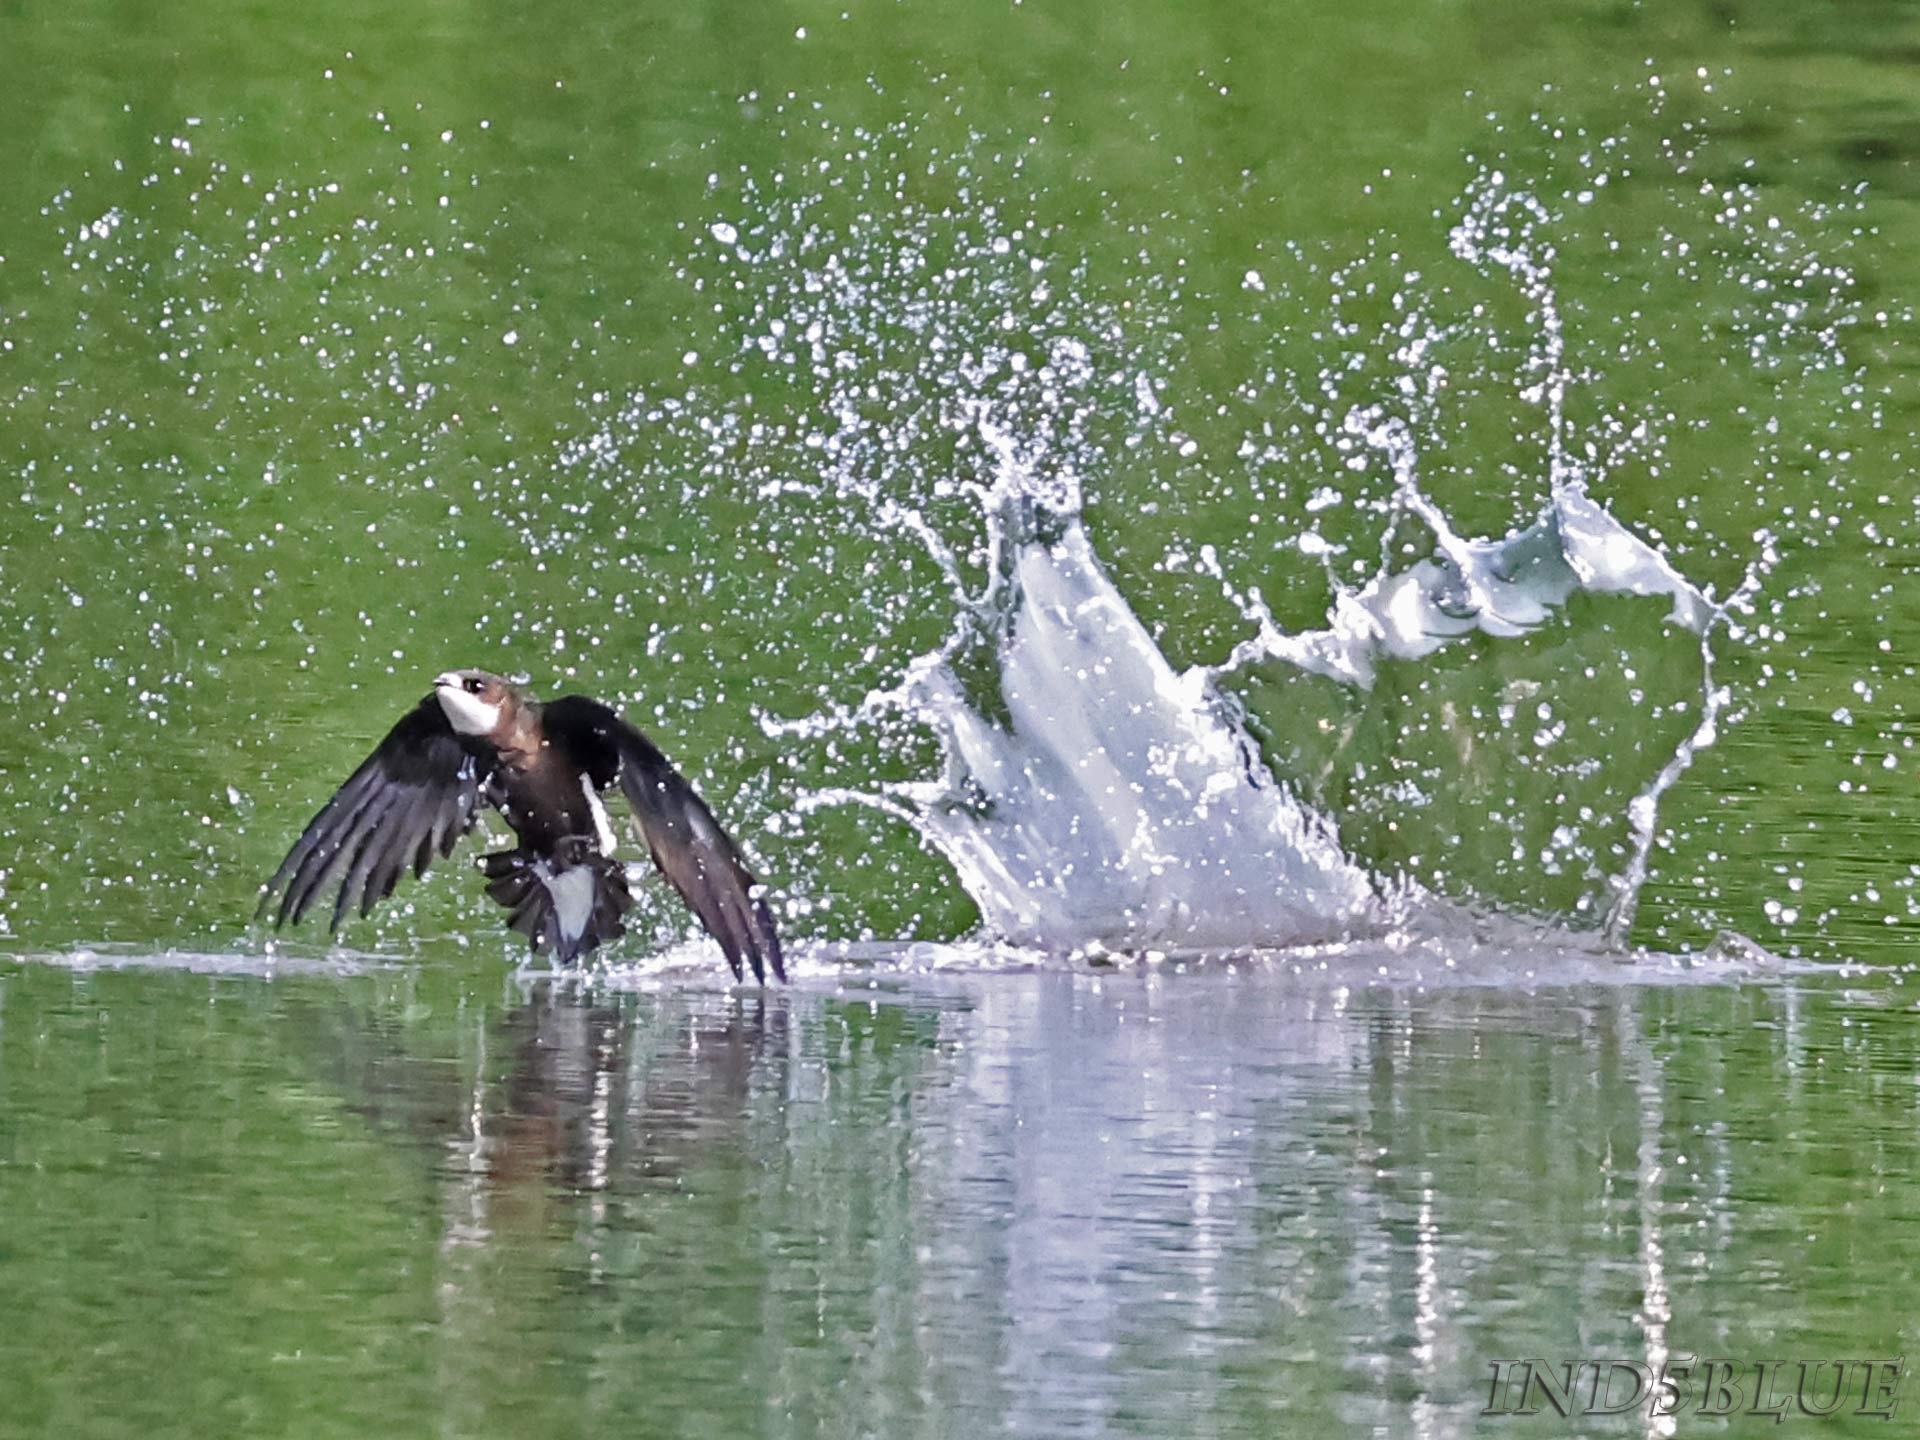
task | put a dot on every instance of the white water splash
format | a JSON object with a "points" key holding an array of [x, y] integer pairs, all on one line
{"points": [[1111, 801], [1087, 794], [1505, 586], [1117, 803], [1501, 586]]}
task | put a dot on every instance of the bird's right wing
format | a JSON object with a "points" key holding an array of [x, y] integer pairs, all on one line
{"points": [[411, 799], [687, 843]]}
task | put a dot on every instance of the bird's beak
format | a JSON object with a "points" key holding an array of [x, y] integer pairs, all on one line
{"points": [[442, 682]]}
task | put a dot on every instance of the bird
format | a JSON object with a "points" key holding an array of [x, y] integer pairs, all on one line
{"points": [[478, 740]]}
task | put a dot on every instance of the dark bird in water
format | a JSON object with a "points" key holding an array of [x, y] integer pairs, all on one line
{"points": [[544, 765]]}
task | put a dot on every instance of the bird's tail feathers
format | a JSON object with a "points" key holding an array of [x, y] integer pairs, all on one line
{"points": [[566, 905]]}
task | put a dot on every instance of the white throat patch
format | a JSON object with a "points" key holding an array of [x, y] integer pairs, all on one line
{"points": [[468, 714]]}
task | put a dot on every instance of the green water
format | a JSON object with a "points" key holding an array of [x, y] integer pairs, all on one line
{"points": [[415, 1202], [343, 345]]}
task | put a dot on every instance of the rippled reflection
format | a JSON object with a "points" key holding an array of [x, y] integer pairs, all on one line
{"points": [[1230, 1203]]}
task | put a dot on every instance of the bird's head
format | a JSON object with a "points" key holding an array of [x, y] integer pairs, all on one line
{"points": [[476, 702]]}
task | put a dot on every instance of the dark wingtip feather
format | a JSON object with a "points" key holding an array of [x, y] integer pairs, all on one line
{"points": [[769, 939], [418, 792]]}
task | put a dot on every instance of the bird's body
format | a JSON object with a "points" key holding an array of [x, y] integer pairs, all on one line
{"points": [[544, 766]]}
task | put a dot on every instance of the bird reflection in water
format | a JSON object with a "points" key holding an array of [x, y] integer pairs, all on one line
{"points": [[602, 1093], [571, 1095]]}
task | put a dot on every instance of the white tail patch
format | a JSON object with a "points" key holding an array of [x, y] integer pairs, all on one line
{"points": [[572, 892], [601, 823]]}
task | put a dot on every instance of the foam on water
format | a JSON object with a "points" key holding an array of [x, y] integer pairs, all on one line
{"points": [[1442, 948], [1450, 950], [244, 963]]}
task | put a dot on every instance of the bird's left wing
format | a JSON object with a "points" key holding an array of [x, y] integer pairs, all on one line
{"points": [[686, 842], [412, 798]]}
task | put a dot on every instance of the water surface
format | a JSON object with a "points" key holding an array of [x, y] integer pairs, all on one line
{"points": [[1229, 1202]]}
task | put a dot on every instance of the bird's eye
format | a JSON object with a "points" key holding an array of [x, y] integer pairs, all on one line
{"points": [[473, 687]]}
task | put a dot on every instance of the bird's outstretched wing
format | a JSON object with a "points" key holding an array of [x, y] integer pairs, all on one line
{"points": [[410, 800], [686, 842]]}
